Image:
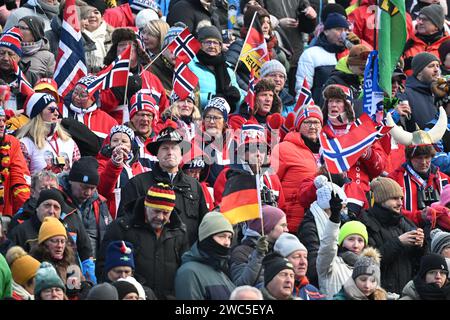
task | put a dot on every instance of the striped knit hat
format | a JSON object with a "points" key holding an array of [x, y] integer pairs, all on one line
{"points": [[160, 197], [11, 39], [307, 112], [36, 103], [143, 102]]}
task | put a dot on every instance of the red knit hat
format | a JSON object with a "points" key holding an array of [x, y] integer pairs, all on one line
{"points": [[311, 111], [160, 196], [11, 39], [143, 102]]}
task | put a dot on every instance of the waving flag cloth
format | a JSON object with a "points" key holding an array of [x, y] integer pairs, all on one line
{"points": [[250, 97], [70, 62], [341, 153], [373, 95], [115, 75], [25, 87], [184, 47], [254, 51], [304, 102], [391, 39], [184, 80]]}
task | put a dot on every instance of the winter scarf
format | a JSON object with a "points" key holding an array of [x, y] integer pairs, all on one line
{"points": [[79, 112], [217, 255], [430, 291], [332, 48], [348, 256], [320, 217], [386, 216], [49, 9], [272, 44], [431, 38], [30, 48], [223, 80], [314, 146]]}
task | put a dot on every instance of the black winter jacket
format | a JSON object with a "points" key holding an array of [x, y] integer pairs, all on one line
{"points": [[307, 234], [399, 263], [190, 201]]}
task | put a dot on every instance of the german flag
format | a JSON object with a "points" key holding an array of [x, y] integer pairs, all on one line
{"points": [[254, 51], [240, 199]]}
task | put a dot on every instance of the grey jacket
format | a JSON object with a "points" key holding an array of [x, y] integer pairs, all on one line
{"points": [[409, 292], [42, 63]]}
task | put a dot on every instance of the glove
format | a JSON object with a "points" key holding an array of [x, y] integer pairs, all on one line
{"points": [[335, 208], [320, 181], [262, 245], [232, 95], [275, 121], [134, 85], [353, 38], [88, 267]]}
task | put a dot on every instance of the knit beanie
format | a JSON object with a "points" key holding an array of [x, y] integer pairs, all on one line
{"points": [[209, 32], [103, 291], [86, 81], [353, 227], [287, 244], [174, 97], [368, 263], [271, 216], [443, 50], [384, 189], [358, 55], [213, 223], [36, 25], [332, 8], [435, 13], [273, 263], [173, 32], [36, 103], [272, 66], [85, 170], [123, 288], [324, 191], [119, 254], [23, 266], [420, 61], [100, 5], [335, 20], [51, 227], [445, 195], [138, 5], [143, 102], [46, 277], [53, 194], [122, 129], [220, 104], [439, 240], [305, 112], [432, 261], [161, 197], [12, 39], [137, 285], [144, 17]]}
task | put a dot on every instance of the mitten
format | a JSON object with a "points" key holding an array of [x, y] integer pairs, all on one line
{"points": [[275, 121], [320, 181], [88, 268], [232, 95]]}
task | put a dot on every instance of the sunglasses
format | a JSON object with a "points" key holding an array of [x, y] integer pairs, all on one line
{"points": [[53, 109]]}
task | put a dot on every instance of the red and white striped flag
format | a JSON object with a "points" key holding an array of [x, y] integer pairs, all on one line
{"points": [[184, 80]]}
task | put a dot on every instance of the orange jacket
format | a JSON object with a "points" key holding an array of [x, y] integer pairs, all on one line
{"points": [[293, 162], [15, 176]]}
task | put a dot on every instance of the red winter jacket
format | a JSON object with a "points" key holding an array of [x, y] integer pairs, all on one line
{"points": [[364, 170], [98, 121], [208, 197], [119, 17], [410, 184], [16, 184], [150, 85], [285, 159]]}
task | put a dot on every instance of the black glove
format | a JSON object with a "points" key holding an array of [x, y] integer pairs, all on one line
{"points": [[232, 95], [262, 245], [335, 208]]}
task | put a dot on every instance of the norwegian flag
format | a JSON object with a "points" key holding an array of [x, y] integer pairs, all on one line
{"points": [[184, 80], [304, 98], [115, 75], [250, 97], [341, 153], [184, 46], [25, 87], [70, 62]]}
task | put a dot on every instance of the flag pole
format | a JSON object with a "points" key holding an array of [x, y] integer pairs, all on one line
{"points": [[245, 41], [258, 172], [153, 60], [126, 85]]}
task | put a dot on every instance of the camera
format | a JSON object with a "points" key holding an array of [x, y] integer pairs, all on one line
{"points": [[427, 196], [107, 151], [59, 161], [268, 197]]}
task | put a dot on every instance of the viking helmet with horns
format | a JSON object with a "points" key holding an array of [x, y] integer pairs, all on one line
{"points": [[419, 137]]}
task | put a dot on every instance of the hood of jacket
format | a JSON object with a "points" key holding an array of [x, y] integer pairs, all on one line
{"points": [[419, 86], [410, 291], [342, 65], [294, 137], [194, 255]]}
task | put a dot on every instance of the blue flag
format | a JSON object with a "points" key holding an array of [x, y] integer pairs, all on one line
{"points": [[373, 95]]}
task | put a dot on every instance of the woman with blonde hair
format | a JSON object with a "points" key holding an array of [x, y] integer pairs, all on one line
{"points": [[153, 35], [44, 142]]}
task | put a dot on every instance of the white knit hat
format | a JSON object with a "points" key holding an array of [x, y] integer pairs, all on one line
{"points": [[324, 189], [272, 66], [288, 243], [144, 17], [439, 240]]}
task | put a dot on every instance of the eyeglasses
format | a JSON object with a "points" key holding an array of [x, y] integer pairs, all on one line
{"points": [[435, 272], [57, 241], [212, 118], [211, 43], [312, 123], [53, 109]]}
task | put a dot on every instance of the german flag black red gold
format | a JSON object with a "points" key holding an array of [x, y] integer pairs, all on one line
{"points": [[240, 199]]}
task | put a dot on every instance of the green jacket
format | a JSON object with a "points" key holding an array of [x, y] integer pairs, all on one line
{"points": [[5, 279]]}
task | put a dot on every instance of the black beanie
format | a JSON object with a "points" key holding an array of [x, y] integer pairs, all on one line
{"points": [[330, 8], [85, 170], [123, 288], [36, 25], [53, 194], [100, 5], [432, 261], [420, 61], [274, 263]]}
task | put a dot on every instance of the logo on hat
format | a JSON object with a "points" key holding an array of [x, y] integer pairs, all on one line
{"points": [[125, 258], [85, 179]]}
